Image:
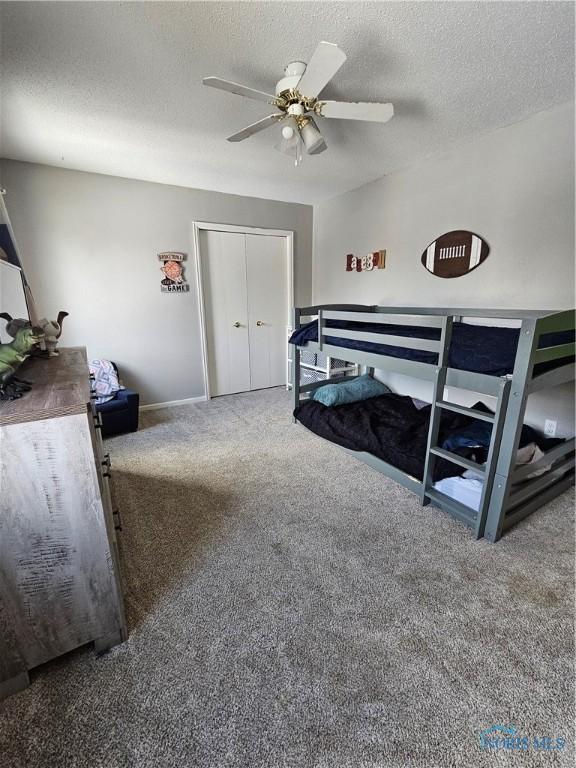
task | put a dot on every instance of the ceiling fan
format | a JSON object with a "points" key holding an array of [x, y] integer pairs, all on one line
{"points": [[297, 103]]}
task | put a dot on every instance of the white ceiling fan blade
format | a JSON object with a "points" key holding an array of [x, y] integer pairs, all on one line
{"points": [[240, 90], [256, 127], [357, 110], [325, 62]]}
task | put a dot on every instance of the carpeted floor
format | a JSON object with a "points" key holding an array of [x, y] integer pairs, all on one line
{"points": [[289, 606]]}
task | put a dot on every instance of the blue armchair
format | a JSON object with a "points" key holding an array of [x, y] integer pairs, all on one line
{"points": [[121, 413]]}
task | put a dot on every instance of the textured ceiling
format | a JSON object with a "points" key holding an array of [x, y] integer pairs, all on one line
{"points": [[116, 87]]}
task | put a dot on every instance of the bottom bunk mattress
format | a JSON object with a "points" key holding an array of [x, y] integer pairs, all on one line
{"points": [[393, 429]]}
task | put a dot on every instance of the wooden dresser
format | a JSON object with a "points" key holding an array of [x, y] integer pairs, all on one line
{"points": [[59, 566]]}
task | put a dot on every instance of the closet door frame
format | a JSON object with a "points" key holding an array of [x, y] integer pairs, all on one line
{"points": [[197, 227]]}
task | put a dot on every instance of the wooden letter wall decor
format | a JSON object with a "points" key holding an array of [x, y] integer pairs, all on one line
{"points": [[374, 260]]}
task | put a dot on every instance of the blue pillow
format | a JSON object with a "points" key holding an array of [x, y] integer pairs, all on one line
{"points": [[360, 388]]}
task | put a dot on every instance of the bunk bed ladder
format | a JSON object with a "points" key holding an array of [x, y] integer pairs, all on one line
{"points": [[514, 419], [475, 519], [493, 452], [435, 412]]}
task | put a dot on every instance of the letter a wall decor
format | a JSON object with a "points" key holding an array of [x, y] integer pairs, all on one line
{"points": [[374, 260]]}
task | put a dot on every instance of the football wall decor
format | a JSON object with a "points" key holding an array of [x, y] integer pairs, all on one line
{"points": [[455, 253]]}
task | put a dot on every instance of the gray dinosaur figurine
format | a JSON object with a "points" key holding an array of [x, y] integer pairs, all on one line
{"points": [[51, 332], [13, 324], [11, 358]]}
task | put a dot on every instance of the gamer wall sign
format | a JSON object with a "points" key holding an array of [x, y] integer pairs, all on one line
{"points": [[173, 269], [374, 260]]}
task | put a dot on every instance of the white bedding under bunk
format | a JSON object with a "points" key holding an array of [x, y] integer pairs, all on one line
{"points": [[467, 489]]}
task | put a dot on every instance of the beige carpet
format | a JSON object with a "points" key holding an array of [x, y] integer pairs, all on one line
{"points": [[289, 606]]}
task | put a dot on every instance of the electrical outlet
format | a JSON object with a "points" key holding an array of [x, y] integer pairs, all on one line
{"points": [[550, 428]]}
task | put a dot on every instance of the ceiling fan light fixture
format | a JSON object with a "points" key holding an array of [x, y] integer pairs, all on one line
{"points": [[296, 100], [290, 142], [311, 136]]}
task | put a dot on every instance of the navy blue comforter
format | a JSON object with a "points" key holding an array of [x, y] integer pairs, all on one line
{"points": [[477, 348]]}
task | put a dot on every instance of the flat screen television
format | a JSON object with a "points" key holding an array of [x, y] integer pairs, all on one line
{"points": [[13, 293], [12, 296]]}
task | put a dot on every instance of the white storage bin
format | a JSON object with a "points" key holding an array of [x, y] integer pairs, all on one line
{"points": [[308, 375], [308, 358]]}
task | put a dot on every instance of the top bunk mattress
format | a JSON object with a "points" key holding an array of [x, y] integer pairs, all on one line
{"points": [[477, 348]]}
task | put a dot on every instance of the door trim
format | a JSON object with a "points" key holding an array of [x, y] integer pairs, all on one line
{"points": [[197, 226]]}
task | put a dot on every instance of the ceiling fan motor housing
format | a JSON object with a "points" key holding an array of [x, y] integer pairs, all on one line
{"points": [[296, 110], [292, 75]]}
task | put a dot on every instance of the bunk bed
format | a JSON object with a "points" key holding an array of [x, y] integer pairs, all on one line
{"points": [[435, 345]]}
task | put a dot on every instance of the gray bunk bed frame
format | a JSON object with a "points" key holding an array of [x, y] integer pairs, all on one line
{"points": [[503, 502]]}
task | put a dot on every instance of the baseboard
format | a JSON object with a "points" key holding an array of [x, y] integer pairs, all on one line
{"points": [[170, 403]]}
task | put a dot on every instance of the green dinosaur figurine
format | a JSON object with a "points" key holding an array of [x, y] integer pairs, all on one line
{"points": [[11, 358]]}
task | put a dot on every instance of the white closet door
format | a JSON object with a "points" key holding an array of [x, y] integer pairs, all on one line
{"points": [[226, 312], [267, 295]]}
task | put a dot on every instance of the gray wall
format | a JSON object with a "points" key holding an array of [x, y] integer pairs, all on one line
{"points": [[514, 187], [89, 245]]}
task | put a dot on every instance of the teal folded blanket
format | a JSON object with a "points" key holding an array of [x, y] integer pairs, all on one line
{"points": [[361, 388]]}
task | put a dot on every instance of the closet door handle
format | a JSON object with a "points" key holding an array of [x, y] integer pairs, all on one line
{"points": [[259, 322], [236, 324]]}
